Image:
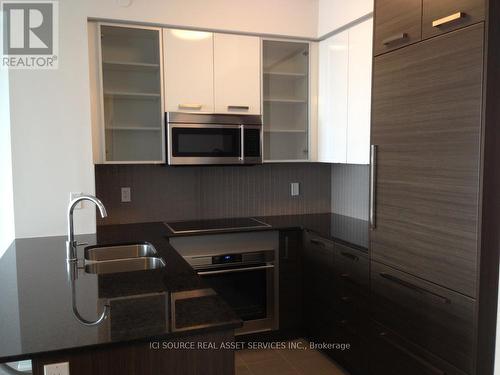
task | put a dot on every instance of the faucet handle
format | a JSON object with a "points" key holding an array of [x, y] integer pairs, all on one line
{"points": [[81, 243]]}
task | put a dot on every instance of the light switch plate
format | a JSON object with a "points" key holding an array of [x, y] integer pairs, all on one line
{"points": [[126, 197], [74, 195], [294, 189], [61, 368]]}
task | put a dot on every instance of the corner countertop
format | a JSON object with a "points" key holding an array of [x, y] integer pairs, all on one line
{"points": [[36, 315], [343, 229]]}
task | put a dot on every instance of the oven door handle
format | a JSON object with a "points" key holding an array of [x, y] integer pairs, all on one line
{"points": [[233, 270]]}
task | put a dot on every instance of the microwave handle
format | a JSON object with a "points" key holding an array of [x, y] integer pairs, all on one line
{"points": [[242, 141]]}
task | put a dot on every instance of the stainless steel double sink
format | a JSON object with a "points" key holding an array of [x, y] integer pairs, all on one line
{"points": [[122, 258]]}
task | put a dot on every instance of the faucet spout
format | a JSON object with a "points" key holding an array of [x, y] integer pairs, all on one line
{"points": [[71, 244]]}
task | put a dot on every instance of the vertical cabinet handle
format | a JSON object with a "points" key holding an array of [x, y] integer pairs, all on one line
{"points": [[285, 255], [373, 184], [452, 17], [242, 142]]}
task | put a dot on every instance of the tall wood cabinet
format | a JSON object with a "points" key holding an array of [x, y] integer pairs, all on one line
{"points": [[434, 260]]}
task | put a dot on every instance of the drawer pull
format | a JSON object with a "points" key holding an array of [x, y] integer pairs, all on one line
{"points": [[394, 39], [319, 243], [347, 277], [422, 361], [352, 257], [443, 21], [190, 106], [413, 287], [238, 107]]}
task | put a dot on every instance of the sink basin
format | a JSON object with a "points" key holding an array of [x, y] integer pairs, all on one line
{"points": [[102, 253], [125, 265]]}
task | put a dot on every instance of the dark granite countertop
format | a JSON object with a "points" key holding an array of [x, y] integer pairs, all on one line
{"points": [[36, 310], [344, 229]]}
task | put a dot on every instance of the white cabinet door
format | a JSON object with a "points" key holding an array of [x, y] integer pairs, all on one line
{"points": [[237, 74], [189, 69], [333, 98], [359, 101]]}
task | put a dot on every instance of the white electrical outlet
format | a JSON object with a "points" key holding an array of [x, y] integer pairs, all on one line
{"points": [[126, 197], [74, 195], [56, 369], [294, 189]]}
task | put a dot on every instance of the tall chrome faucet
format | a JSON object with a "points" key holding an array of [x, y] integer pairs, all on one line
{"points": [[71, 244]]}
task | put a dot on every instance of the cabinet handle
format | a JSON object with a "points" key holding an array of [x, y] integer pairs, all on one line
{"points": [[238, 107], [285, 253], [347, 277], [413, 287], [394, 39], [373, 182], [190, 106], [319, 243], [422, 361], [354, 258], [452, 17]]}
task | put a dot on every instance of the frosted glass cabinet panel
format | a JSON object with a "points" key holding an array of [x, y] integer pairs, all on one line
{"points": [[286, 100], [132, 94]]}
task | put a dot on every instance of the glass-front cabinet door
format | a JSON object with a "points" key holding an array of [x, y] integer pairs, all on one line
{"points": [[132, 94], [286, 100]]}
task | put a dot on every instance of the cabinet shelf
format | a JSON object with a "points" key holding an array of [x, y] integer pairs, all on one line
{"points": [[129, 65], [284, 100], [134, 128], [132, 95], [285, 131], [286, 74]]}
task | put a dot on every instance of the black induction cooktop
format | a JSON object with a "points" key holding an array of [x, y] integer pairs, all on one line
{"points": [[215, 225]]}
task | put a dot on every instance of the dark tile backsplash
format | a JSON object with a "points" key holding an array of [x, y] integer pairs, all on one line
{"points": [[161, 193]]}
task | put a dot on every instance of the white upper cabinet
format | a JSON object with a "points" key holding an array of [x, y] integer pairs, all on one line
{"points": [[237, 74], [345, 96], [360, 85], [332, 101], [189, 71]]}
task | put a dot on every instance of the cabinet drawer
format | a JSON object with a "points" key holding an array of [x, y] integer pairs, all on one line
{"points": [[352, 268], [397, 23], [441, 16], [392, 355], [431, 316]]}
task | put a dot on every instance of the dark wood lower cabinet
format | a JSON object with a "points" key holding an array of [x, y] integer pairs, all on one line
{"points": [[140, 358], [336, 300], [433, 317], [290, 281], [390, 354]]}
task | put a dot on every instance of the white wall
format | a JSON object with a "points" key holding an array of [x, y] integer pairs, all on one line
{"points": [[333, 14], [50, 110], [6, 194]]}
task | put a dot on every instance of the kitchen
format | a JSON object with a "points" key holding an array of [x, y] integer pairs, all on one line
{"points": [[318, 174]]}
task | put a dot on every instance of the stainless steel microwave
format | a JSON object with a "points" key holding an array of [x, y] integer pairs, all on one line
{"points": [[200, 139]]}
